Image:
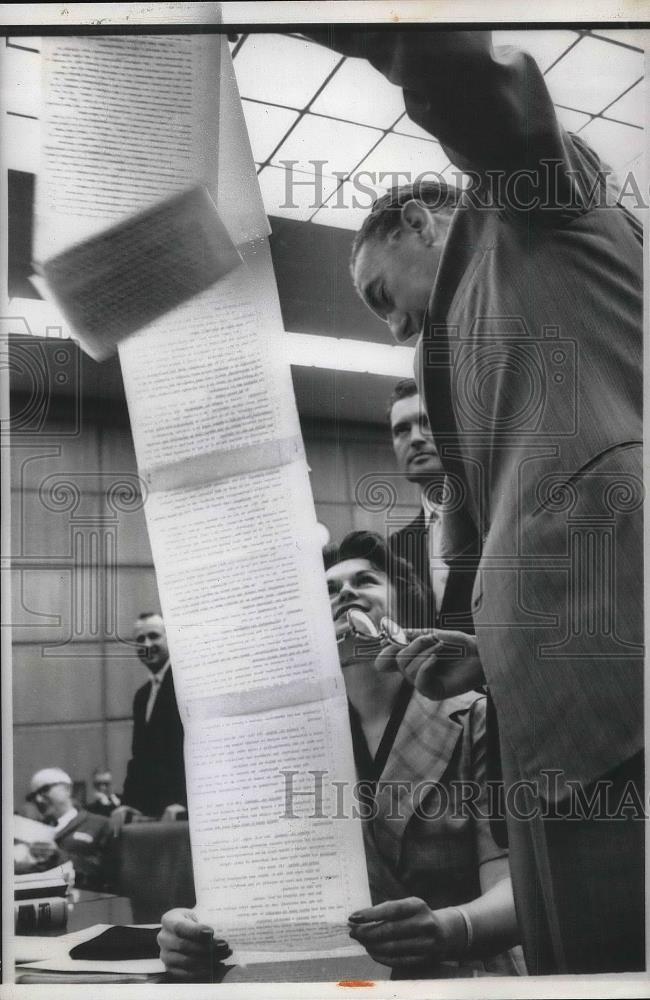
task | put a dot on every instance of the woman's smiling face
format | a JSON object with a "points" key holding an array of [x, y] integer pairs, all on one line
{"points": [[356, 583]]}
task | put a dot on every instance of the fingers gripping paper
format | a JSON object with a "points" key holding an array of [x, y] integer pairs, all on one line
{"points": [[229, 507]]}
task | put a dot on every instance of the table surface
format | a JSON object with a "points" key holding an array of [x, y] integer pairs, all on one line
{"points": [[103, 908]]}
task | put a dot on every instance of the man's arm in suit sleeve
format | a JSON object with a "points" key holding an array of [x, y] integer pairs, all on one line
{"points": [[489, 108]]}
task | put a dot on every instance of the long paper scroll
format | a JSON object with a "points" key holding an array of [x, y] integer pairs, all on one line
{"points": [[231, 520]]}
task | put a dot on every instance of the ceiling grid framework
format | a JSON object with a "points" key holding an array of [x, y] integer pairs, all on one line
{"points": [[303, 102], [351, 120], [310, 104]]}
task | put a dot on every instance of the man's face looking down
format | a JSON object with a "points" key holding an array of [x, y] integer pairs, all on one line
{"points": [[394, 275]]}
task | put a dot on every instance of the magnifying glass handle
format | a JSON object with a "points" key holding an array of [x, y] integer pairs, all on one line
{"points": [[392, 632]]}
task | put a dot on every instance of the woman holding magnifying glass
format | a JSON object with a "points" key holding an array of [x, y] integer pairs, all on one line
{"points": [[440, 885]]}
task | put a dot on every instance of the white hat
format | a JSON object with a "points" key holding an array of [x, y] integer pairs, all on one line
{"points": [[49, 776]]}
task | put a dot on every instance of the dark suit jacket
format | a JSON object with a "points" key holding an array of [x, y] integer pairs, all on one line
{"points": [[530, 364], [104, 806], [155, 776], [86, 840], [410, 543]]}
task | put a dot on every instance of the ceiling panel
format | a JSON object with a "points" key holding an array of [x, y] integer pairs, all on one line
{"points": [[630, 108], [617, 145], [593, 74], [632, 37], [406, 127], [401, 159], [266, 124], [359, 93], [282, 70], [573, 121], [339, 144], [348, 206], [544, 46], [295, 195]]}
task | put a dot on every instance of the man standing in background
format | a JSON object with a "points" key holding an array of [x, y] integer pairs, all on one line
{"points": [[155, 776], [447, 585]]}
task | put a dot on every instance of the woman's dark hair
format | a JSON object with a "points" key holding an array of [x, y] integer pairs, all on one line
{"points": [[371, 546]]}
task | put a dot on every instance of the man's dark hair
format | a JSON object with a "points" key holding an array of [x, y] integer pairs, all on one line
{"points": [[386, 212], [149, 614], [371, 546], [405, 388]]}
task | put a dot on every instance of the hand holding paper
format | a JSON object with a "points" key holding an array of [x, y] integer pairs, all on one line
{"points": [[407, 932], [187, 947]]}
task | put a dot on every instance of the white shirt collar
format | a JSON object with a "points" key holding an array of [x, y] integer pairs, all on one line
{"points": [[429, 507], [66, 818]]}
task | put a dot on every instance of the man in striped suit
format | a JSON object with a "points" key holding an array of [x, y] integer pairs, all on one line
{"points": [[526, 293]]}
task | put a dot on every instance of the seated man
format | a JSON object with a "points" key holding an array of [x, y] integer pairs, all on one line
{"points": [[104, 800], [81, 837]]}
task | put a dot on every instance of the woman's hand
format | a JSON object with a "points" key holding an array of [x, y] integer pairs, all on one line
{"points": [[438, 663], [188, 948], [408, 932]]}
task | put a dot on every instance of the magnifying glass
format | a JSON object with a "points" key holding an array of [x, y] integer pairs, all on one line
{"points": [[392, 632], [362, 627]]}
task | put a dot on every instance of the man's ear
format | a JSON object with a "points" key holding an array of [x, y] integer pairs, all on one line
{"points": [[417, 218]]}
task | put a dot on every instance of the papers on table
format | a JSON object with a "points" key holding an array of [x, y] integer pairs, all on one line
{"points": [[30, 831], [53, 882]]}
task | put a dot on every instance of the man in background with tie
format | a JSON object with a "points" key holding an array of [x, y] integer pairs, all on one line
{"points": [[155, 776], [447, 582]]}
